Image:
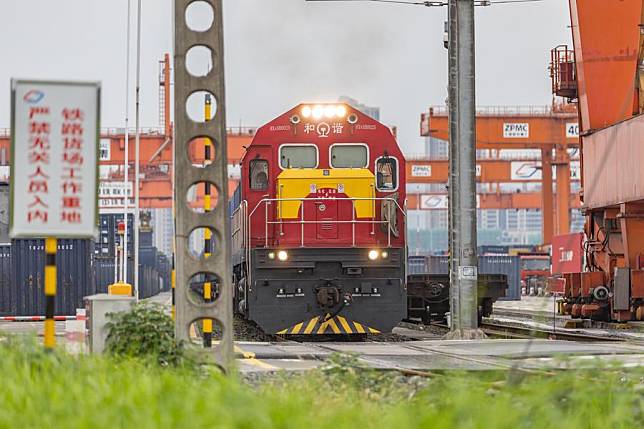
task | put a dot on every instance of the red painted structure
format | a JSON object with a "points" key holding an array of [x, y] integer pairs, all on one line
{"points": [[567, 253], [608, 51]]}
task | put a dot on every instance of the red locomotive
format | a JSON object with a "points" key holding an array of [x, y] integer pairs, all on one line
{"points": [[318, 224]]}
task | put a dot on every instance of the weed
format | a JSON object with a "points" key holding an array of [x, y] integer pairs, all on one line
{"points": [[145, 331]]}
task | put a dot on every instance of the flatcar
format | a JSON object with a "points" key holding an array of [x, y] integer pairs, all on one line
{"points": [[319, 224]]}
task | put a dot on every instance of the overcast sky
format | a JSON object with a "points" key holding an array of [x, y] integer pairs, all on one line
{"points": [[282, 52]]}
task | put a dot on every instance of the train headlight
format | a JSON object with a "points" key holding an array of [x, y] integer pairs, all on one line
{"points": [[341, 111], [271, 255], [282, 255], [306, 111], [384, 254], [329, 111], [373, 254], [318, 112]]}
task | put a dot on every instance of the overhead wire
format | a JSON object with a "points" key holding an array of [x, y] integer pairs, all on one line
{"points": [[433, 3]]}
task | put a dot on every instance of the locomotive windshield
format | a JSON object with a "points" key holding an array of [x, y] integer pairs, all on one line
{"points": [[298, 156], [349, 156]]}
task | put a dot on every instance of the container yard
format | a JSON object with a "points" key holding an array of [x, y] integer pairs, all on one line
{"points": [[193, 239]]}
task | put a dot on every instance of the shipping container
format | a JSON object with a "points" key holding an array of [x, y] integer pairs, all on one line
{"points": [[7, 302], [148, 256], [104, 273], [417, 265], [108, 236], [508, 265], [75, 278], [493, 250], [568, 253], [4, 213], [150, 282], [164, 266]]}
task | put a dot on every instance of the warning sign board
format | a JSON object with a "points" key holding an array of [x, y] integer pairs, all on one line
{"points": [[54, 163]]}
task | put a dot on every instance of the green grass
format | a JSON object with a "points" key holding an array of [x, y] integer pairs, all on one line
{"points": [[57, 390]]}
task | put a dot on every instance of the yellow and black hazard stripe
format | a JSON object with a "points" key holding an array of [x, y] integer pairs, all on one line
{"points": [[207, 206], [173, 283], [328, 325], [51, 245]]}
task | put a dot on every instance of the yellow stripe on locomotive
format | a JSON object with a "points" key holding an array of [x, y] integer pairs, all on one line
{"points": [[328, 325], [301, 183]]}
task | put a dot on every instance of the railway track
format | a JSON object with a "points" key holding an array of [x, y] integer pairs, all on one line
{"points": [[406, 332], [499, 330], [511, 331]]}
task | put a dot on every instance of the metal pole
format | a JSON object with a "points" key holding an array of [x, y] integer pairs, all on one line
{"points": [[116, 262], [418, 214], [466, 192], [137, 213], [453, 183], [127, 145], [51, 247]]}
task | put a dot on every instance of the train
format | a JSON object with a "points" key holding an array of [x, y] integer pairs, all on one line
{"points": [[318, 225]]}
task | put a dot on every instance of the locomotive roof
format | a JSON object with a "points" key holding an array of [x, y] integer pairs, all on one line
{"points": [[325, 123]]}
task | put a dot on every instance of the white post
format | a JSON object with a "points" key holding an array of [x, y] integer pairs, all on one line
{"points": [[136, 154], [126, 197]]}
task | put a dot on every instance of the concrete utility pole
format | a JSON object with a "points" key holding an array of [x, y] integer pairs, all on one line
{"points": [[452, 182], [464, 261], [218, 265]]}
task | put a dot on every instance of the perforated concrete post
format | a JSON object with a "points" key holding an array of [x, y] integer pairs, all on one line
{"points": [[189, 308]]}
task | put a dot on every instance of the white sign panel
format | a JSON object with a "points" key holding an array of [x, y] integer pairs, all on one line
{"points": [[516, 130], [421, 170], [526, 170], [478, 170], [115, 189], [572, 130], [439, 202], [54, 159], [433, 202]]}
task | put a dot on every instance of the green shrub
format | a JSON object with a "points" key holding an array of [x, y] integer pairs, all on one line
{"points": [[143, 332]]}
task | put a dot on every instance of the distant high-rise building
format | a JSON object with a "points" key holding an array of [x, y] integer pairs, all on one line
{"points": [[436, 148], [163, 230], [374, 112]]}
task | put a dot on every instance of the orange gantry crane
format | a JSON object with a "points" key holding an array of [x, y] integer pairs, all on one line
{"points": [[604, 74], [552, 130]]}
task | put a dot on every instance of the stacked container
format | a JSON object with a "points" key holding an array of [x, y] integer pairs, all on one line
{"points": [[508, 265]]}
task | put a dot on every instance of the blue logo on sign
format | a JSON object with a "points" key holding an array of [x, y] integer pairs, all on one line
{"points": [[34, 96]]}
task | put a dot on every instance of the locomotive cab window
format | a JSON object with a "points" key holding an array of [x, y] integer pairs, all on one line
{"points": [[387, 174], [258, 175], [349, 156], [298, 156]]}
